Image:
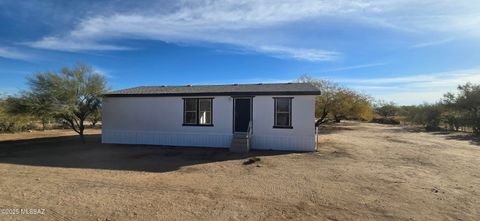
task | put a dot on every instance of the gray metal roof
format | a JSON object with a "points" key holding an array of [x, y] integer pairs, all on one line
{"points": [[218, 90]]}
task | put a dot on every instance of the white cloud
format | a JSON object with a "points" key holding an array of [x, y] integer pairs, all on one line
{"points": [[430, 79], [432, 43], [103, 72], [301, 53], [414, 89], [230, 22], [353, 67], [411, 98], [255, 25], [12, 71], [8, 91], [67, 44], [11, 53]]}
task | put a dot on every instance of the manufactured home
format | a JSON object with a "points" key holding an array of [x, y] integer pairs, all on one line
{"points": [[236, 116]]}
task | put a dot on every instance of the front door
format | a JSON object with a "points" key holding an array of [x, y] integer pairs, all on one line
{"points": [[242, 114]]}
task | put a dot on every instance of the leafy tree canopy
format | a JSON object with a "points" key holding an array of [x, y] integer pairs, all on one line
{"points": [[73, 94]]}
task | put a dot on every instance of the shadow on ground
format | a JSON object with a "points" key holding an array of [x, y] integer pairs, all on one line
{"points": [[462, 136], [69, 152], [449, 135], [330, 129]]}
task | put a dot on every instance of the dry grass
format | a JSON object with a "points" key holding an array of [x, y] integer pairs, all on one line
{"points": [[43, 134], [361, 172]]}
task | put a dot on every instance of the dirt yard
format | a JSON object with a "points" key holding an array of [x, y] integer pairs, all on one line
{"points": [[42, 134], [361, 172]]}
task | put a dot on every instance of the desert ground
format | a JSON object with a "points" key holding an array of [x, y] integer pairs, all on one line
{"points": [[361, 172]]}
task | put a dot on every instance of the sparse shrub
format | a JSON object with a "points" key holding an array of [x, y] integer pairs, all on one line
{"points": [[466, 105], [251, 160], [10, 123], [386, 109], [427, 115], [382, 120]]}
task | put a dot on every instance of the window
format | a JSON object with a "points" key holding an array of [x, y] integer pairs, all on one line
{"points": [[197, 112], [283, 113], [190, 110], [205, 111]]}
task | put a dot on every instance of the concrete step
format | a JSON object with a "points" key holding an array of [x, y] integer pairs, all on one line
{"points": [[240, 135], [240, 145], [240, 141]]}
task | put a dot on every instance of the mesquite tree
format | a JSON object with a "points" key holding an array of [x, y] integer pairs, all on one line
{"points": [[325, 101], [466, 102], [72, 95], [337, 102]]}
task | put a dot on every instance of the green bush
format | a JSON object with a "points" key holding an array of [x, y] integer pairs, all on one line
{"points": [[12, 124]]}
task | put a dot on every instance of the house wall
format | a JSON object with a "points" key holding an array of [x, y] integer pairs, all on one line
{"points": [[300, 138], [158, 121]]}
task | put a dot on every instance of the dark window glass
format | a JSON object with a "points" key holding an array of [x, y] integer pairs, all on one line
{"points": [[191, 104], [190, 117], [283, 112], [283, 105], [197, 111], [205, 112], [190, 111], [283, 119]]}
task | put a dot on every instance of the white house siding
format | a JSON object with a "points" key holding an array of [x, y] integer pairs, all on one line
{"points": [[158, 121], [300, 138]]}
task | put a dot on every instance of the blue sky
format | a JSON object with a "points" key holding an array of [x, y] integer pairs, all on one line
{"points": [[407, 51]]}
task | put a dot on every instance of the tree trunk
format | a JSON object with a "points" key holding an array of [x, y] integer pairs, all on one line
{"points": [[322, 119], [76, 125], [476, 130], [82, 136], [81, 128], [337, 118]]}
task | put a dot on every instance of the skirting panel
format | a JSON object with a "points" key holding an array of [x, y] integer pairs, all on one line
{"points": [[165, 138], [291, 143]]}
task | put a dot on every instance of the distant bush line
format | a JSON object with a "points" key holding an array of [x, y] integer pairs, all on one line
{"points": [[456, 111], [72, 97]]}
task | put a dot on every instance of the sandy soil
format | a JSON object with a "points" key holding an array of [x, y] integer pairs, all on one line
{"points": [[43, 134], [361, 172]]}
